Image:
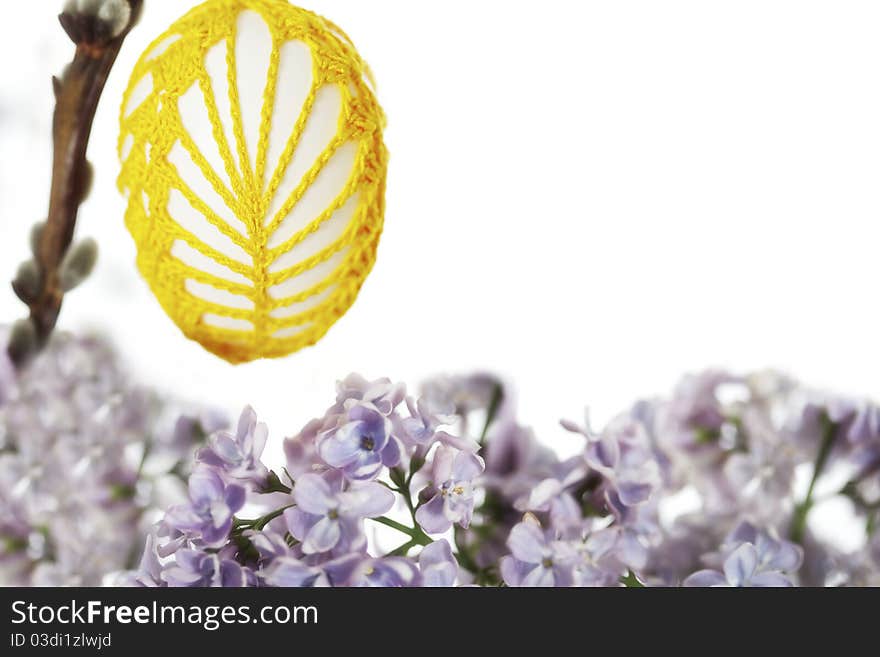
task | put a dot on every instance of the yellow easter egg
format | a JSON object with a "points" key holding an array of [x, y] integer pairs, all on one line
{"points": [[254, 166]]}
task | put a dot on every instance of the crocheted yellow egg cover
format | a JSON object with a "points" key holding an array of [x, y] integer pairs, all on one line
{"points": [[255, 225]]}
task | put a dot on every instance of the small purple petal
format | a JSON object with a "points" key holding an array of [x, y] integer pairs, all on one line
{"points": [[367, 466], [740, 566], [339, 571], [299, 523], [526, 542], [438, 566], [705, 579], [631, 551], [322, 537], [541, 497], [369, 500], [540, 577], [235, 498], [432, 517], [342, 447], [513, 571], [633, 493], [603, 453], [312, 494], [467, 467], [441, 468], [287, 572], [391, 454], [771, 580], [788, 558], [205, 485], [463, 444]]}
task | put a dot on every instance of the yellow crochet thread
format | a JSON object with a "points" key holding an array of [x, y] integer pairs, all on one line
{"points": [[256, 274]]}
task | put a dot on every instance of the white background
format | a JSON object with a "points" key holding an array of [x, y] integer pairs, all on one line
{"points": [[590, 198]]}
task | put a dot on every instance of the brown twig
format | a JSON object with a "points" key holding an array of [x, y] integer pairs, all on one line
{"points": [[98, 40]]}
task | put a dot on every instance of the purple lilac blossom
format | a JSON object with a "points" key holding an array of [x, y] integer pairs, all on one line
{"points": [[773, 553], [451, 494], [865, 424], [289, 572], [695, 416], [623, 456], [327, 519], [237, 456], [425, 420], [438, 565], [463, 394], [649, 498], [516, 461], [212, 506], [751, 558], [382, 394], [361, 444], [389, 572], [741, 569], [301, 450], [537, 560], [197, 569], [88, 459]]}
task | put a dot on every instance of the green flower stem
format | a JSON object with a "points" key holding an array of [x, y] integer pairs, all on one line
{"points": [[851, 491], [870, 509], [407, 499], [492, 412], [388, 522], [416, 533], [148, 448], [799, 524], [631, 581], [403, 550], [259, 524], [402, 487]]}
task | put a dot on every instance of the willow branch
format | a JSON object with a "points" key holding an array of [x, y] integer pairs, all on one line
{"points": [[98, 37]]}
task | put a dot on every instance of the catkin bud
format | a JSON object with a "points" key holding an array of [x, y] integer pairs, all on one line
{"points": [[22, 341], [115, 13], [27, 281], [78, 264], [111, 17]]}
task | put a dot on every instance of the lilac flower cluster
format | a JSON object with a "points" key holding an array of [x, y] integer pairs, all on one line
{"points": [[375, 459], [87, 462], [751, 558], [717, 485]]}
